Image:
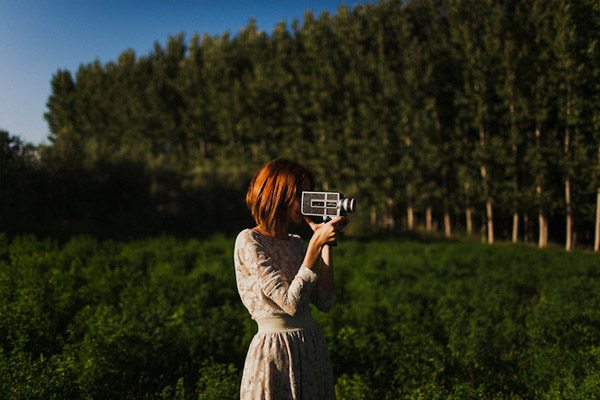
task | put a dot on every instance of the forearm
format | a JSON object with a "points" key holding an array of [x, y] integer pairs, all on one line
{"points": [[313, 253], [326, 275]]}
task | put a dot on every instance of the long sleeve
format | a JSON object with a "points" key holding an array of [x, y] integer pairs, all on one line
{"points": [[273, 284]]}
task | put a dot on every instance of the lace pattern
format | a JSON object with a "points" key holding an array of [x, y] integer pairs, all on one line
{"points": [[272, 282]]}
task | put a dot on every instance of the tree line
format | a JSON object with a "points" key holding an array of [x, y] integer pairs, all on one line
{"points": [[451, 115]]}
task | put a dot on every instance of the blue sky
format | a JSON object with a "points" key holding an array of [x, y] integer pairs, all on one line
{"points": [[38, 37]]}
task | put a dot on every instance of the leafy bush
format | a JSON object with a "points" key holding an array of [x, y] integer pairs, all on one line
{"points": [[160, 318]]}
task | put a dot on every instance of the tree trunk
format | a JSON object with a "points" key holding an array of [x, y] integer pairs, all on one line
{"points": [[569, 242], [490, 221], [410, 218], [515, 230], [526, 228], [569, 226], [543, 230], [569, 233], [489, 214], [447, 226], [515, 182], [488, 201], [543, 223], [469, 220], [597, 232], [428, 225]]}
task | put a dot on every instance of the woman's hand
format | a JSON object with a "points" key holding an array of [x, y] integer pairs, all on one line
{"points": [[328, 232]]}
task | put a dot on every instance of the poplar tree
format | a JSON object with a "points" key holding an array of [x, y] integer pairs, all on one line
{"points": [[196, 120], [408, 168], [416, 107], [219, 73], [593, 52], [129, 82], [61, 117], [320, 85], [473, 27], [568, 67], [286, 68], [279, 86], [254, 92], [387, 60], [437, 82], [510, 90], [350, 29], [165, 105], [586, 15], [539, 86]]}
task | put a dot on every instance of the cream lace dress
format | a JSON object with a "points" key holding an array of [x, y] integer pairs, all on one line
{"points": [[288, 357]]}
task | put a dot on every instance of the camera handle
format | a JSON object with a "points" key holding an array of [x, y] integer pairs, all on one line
{"points": [[326, 219]]}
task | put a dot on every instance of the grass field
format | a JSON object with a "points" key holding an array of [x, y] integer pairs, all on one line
{"points": [[160, 318]]}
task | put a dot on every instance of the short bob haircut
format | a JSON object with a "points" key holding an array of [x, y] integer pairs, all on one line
{"points": [[272, 192]]}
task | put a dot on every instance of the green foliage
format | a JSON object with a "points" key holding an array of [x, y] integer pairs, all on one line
{"points": [[218, 382], [115, 320], [432, 106], [160, 318], [352, 388]]}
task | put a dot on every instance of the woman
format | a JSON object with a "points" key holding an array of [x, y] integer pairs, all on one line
{"points": [[276, 280]]}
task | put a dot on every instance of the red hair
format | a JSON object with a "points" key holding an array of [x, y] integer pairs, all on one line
{"points": [[272, 192]]}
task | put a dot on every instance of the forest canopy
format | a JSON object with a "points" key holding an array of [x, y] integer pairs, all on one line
{"points": [[458, 116]]}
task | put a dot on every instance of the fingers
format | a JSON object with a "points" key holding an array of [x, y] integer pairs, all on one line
{"points": [[339, 222], [336, 226], [329, 232], [313, 225]]}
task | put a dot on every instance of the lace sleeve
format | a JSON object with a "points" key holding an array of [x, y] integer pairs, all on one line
{"points": [[274, 285]]}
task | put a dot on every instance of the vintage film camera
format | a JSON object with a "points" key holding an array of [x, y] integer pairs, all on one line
{"points": [[326, 204]]}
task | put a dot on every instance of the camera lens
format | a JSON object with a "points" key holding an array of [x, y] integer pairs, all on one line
{"points": [[348, 204]]}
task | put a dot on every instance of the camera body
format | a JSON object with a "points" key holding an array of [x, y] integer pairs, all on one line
{"points": [[326, 204]]}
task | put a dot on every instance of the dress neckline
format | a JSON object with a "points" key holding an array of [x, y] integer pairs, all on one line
{"points": [[287, 239]]}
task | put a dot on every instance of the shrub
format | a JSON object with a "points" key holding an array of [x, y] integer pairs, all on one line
{"points": [[161, 318]]}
